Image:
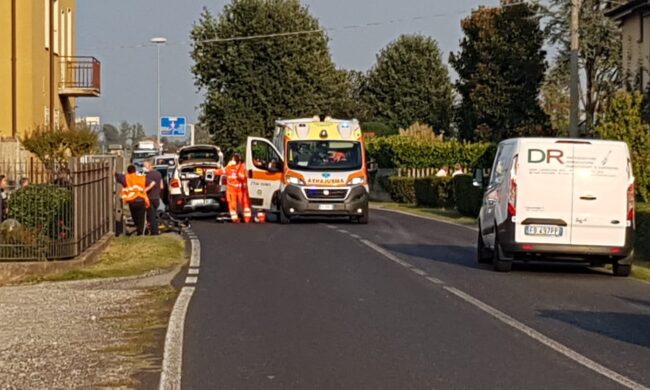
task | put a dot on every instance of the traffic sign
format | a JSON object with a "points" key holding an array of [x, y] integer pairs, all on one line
{"points": [[173, 126]]}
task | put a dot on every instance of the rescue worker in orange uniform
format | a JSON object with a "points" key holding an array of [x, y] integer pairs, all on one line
{"points": [[135, 195], [236, 188]]}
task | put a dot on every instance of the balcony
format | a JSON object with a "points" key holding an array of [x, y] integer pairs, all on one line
{"points": [[80, 77]]}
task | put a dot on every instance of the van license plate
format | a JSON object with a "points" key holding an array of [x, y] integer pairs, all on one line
{"points": [[541, 230], [325, 207]]}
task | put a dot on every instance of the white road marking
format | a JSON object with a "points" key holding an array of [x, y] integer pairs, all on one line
{"points": [[191, 280], [343, 231], [549, 342], [358, 237], [526, 330], [425, 217], [193, 271], [419, 271], [195, 259], [170, 375], [172, 364], [435, 280], [331, 226], [387, 254]]}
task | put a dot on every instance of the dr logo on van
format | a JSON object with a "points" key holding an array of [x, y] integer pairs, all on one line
{"points": [[536, 156]]}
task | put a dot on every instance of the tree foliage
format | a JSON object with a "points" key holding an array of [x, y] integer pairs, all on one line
{"points": [[556, 100], [599, 54], [409, 83], [501, 65], [55, 146], [249, 83], [420, 131], [622, 121]]}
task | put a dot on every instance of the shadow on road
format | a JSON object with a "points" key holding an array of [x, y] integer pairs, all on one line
{"points": [[626, 327], [465, 256], [638, 302]]}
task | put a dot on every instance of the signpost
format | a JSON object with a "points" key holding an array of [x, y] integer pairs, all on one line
{"points": [[173, 126]]}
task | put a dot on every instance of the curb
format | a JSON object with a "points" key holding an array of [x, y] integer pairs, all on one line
{"points": [[172, 364], [12, 271]]}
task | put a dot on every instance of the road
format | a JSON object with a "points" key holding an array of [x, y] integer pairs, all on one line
{"points": [[401, 304]]}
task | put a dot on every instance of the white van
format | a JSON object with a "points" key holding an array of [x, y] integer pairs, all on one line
{"points": [[558, 199]]}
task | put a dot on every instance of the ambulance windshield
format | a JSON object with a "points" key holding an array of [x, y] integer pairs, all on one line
{"points": [[324, 155]]}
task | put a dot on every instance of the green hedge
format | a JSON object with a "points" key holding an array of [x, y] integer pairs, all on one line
{"points": [[434, 192], [408, 152], [43, 209], [467, 197], [401, 189], [642, 242]]}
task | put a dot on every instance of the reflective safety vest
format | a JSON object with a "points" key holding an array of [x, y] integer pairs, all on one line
{"points": [[235, 175], [135, 188]]}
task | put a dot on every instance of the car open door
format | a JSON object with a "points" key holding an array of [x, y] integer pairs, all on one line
{"points": [[264, 168]]}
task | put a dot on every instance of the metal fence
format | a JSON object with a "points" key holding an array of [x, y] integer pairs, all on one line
{"points": [[56, 216]]}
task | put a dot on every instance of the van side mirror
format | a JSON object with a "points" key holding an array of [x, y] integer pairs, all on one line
{"points": [[274, 166], [372, 166]]}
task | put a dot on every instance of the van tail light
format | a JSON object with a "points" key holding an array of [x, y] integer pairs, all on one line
{"points": [[512, 198], [174, 183], [630, 203]]}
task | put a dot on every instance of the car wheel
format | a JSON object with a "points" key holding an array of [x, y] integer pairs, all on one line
{"points": [[622, 270], [483, 254], [498, 262], [284, 218]]}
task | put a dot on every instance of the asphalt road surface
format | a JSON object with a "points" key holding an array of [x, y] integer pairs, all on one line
{"points": [[401, 304]]}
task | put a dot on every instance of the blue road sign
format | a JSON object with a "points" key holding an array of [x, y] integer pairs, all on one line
{"points": [[173, 126]]}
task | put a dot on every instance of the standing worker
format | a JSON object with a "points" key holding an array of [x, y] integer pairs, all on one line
{"points": [[153, 190], [134, 194], [235, 173]]}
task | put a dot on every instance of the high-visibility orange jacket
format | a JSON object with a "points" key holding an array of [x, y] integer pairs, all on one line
{"points": [[235, 175], [135, 188]]}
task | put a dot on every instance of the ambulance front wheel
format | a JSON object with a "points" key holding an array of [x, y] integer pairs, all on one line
{"points": [[363, 219]]}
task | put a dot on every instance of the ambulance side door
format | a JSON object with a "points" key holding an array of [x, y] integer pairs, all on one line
{"points": [[264, 169]]}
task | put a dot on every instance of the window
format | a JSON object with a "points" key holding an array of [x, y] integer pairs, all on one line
{"points": [[324, 155], [46, 7], [263, 155], [501, 165], [641, 22], [69, 33], [55, 44]]}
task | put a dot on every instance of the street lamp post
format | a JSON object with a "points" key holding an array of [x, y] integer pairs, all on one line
{"points": [[158, 41]]}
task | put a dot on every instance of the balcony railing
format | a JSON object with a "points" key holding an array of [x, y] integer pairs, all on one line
{"points": [[80, 76]]}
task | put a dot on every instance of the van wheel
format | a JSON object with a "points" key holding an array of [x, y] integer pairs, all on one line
{"points": [[622, 270], [483, 254], [363, 219], [284, 218], [499, 264]]}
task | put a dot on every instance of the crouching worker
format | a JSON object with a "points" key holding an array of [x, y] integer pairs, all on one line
{"points": [[134, 194], [235, 173]]}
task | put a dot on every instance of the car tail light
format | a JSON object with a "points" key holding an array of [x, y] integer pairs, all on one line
{"points": [[512, 198], [180, 202], [630, 203], [615, 251], [174, 183], [527, 247]]}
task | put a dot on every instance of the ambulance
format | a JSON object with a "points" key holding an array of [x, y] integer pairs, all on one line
{"points": [[312, 167], [558, 199]]}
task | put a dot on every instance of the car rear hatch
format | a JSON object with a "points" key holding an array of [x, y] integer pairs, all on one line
{"points": [[544, 182]]}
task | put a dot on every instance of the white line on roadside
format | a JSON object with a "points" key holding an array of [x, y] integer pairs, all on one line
{"points": [[170, 375], [343, 231], [358, 237], [419, 271], [549, 342], [193, 271], [172, 364], [526, 330]]}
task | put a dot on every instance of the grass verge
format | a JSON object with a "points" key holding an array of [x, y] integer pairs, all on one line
{"points": [[447, 215], [128, 256]]}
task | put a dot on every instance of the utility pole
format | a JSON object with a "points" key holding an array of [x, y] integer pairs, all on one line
{"points": [[51, 34], [575, 79], [14, 75], [158, 41]]}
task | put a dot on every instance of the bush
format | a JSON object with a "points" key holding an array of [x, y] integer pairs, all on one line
{"points": [[45, 210], [379, 128], [410, 152], [468, 198], [434, 192], [55, 146], [402, 189], [642, 234]]}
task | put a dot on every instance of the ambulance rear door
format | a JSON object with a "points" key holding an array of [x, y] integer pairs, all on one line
{"points": [[264, 168]]}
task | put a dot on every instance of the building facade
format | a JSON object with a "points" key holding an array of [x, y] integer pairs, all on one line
{"points": [[41, 76], [634, 19]]}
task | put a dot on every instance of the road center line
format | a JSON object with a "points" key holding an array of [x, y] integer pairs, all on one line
{"points": [[526, 330], [549, 342]]}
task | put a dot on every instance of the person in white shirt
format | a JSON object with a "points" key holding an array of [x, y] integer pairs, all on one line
{"points": [[458, 170], [443, 172]]}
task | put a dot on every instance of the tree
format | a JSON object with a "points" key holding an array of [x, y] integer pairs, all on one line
{"points": [[249, 83], [556, 100], [353, 105], [409, 83], [111, 134], [599, 53], [131, 134], [622, 122], [54, 147], [500, 65], [202, 135]]}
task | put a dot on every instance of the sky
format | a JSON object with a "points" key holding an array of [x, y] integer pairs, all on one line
{"points": [[117, 32]]}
